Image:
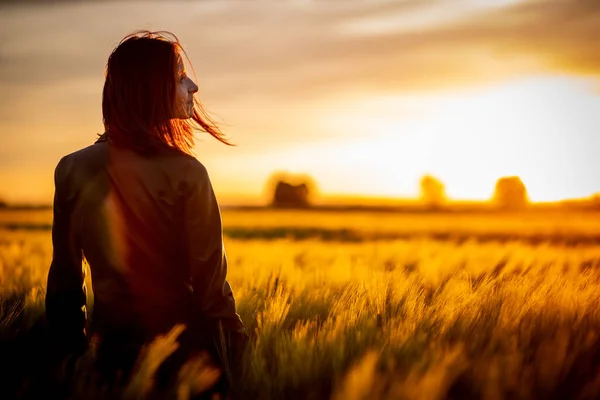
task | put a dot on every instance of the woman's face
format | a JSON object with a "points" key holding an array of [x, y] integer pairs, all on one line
{"points": [[184, 92]]}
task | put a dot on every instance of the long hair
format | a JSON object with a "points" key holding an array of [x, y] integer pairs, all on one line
{"points": [[139, 92]]}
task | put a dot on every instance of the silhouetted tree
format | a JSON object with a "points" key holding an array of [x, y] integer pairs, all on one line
{"points": [[433, 193], [510, 193], [596, 201], [287, 195], [292, 191]]}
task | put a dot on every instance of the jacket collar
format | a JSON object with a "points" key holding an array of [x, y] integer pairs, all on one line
{"points": [[101, 138]]}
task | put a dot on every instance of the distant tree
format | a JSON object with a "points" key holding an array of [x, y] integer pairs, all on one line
{"points": [[3, 204], [433, 192], [287, 195], [292, 191], [510, 193], [595, 201]]}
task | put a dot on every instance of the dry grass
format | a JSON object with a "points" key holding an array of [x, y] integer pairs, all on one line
{"points": [[401, 319], [506, 224]]}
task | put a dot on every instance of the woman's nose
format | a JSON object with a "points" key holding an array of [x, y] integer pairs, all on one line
{"points": [[193, 88]]}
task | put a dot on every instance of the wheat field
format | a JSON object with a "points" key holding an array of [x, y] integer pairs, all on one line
{"points": [[333, 315]]}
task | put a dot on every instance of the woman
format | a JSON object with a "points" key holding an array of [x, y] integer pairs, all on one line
{"points": [[141, 210]]}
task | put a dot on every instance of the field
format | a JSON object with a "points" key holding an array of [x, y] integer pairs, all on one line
{"points": [[369, 305]]}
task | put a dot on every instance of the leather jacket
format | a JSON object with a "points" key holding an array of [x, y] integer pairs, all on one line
{"points": [[150, 230]]}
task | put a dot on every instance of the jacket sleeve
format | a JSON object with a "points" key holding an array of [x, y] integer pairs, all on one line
{"points": [[206, 256], [65, 290]]}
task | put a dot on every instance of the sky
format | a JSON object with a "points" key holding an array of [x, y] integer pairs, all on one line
{"points": [[364, 96]]}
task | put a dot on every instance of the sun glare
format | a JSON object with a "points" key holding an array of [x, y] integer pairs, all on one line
{"points": [[541, 129]]}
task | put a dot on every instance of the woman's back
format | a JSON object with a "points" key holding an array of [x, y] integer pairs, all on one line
{"points": [[129, 215]]}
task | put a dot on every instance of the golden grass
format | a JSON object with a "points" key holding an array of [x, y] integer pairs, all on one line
{"points": [[401, 319], [507, 223]]}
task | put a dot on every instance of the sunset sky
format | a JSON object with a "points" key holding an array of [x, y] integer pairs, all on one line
{"points": [[366, 96]]}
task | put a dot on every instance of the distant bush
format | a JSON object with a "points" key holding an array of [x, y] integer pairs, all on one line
{"points": [[596, 201], [287, 195], [433, 193], [510, 193], [292, 191]]}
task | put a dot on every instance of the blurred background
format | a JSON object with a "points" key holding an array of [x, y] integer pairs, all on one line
{"points": [[415, 190], [364, 102]]}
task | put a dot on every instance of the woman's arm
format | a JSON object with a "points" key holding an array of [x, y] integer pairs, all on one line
{"points": [[65, 290], [206, 256]]}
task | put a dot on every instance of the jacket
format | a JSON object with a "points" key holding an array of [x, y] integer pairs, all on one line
{"points": [[150, 229]]}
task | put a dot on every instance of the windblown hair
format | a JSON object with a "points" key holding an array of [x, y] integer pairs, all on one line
{"points": [[139, 92]]}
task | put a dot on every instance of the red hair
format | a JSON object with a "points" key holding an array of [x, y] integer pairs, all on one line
{"points": [[139, 92]]}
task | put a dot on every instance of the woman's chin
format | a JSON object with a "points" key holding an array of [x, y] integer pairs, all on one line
{"points": [[184, 116], [190, 112]]}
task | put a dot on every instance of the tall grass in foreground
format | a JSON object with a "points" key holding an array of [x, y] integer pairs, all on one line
{"points": [[406, 319]]}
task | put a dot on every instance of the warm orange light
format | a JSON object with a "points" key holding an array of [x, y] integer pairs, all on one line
{"points": [[541, 129]]}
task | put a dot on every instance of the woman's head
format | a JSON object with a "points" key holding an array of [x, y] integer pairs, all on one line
{"points": [[148, 98]]}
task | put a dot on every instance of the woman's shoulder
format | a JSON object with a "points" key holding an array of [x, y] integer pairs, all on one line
{"points": [[89, 155], [184, 168], [195, 174], [195, 167]]}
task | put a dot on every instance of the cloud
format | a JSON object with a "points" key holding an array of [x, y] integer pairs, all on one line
{"points": [[260, 58], [562, 33], [316, 53], [276, 49], [487, 46]]}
